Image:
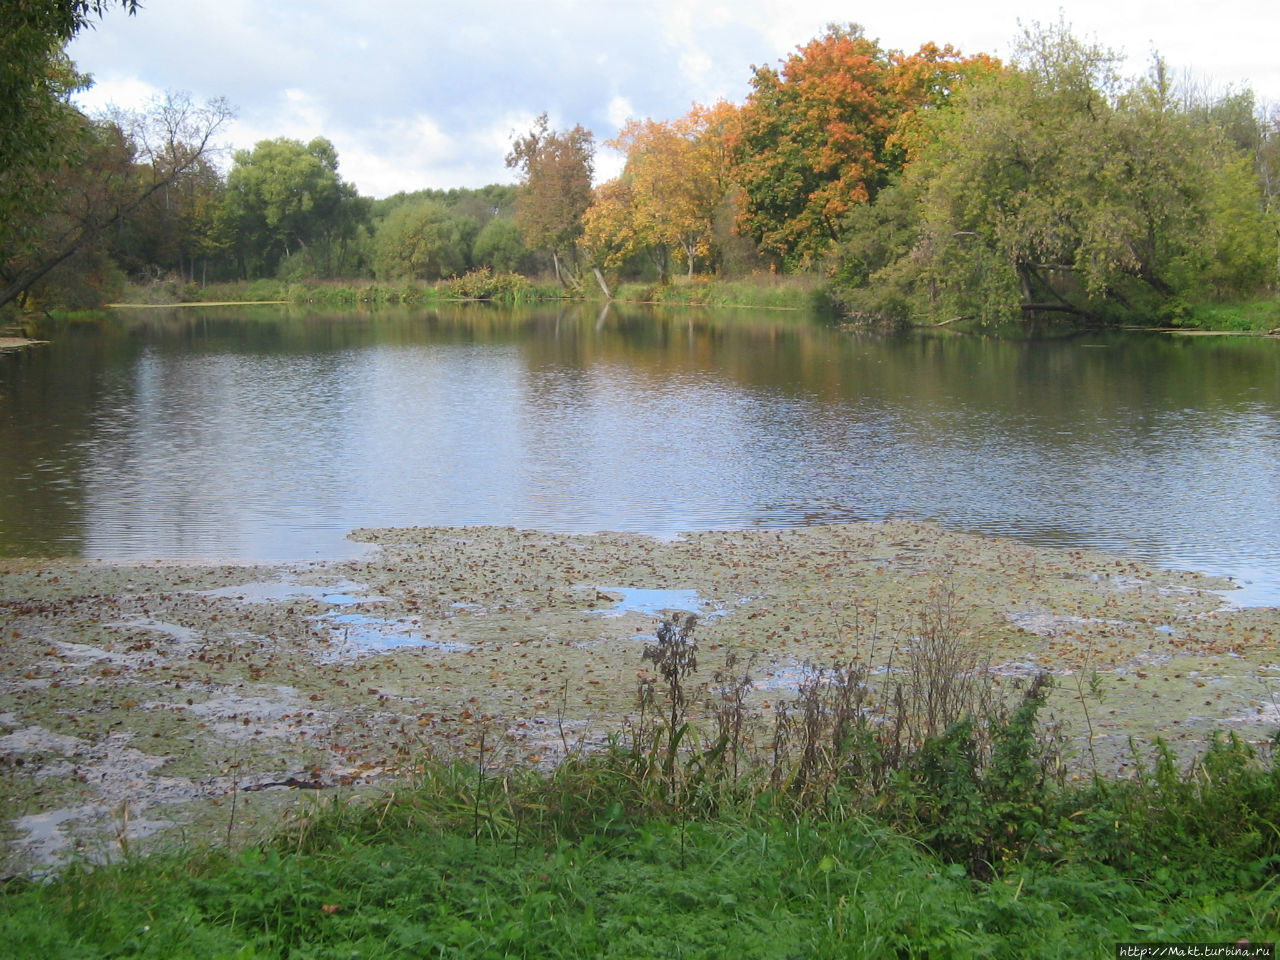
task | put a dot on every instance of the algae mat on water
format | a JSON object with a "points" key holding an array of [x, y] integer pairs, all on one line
{"points": [[206, 701]]}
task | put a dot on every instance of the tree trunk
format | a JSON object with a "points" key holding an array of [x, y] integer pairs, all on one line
{"points": [[603, 285], [689, 250]]}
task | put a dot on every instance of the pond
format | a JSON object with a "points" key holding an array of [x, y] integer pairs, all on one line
{"points": [[266, 434]]}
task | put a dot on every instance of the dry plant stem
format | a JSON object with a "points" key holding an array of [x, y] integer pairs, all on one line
{"points": [[122, 827], [235, 793], [1088, 719], [560, 711], [479, 788]]}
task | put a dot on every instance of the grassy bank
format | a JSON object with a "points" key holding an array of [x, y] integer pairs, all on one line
{"points": [[626, 855], [762, 290], [1255, 316], [768, 291], [506, 288]]}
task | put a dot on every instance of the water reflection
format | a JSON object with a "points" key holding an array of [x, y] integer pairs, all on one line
{"points": [[269, 435]]}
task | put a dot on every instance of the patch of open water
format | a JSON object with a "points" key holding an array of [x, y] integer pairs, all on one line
{"points": [[208, 437]]}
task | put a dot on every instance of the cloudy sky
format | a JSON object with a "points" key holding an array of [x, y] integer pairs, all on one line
{"points": [[428, 93]]}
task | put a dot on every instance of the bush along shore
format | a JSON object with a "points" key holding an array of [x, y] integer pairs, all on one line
{"points": [[864, 740], [806, 293], [764, 291]]}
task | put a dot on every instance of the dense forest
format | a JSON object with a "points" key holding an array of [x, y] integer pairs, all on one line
{"points": [[927, 185]]}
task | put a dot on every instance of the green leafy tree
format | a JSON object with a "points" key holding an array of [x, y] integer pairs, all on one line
{"points": [[555, 191], [285, 198], [423, 241], [34, 74], [1268, 168], [500, 246]]}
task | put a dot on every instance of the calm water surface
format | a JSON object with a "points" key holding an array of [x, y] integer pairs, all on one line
{"points": [[220, 433]]}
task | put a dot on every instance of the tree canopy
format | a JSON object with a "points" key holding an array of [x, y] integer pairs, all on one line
{"points": [[829, 130], [285, 198], [1055, 186], [555, 171]]}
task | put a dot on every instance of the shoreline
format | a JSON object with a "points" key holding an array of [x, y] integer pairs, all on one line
{"points": [[141, 698], [19, 343]]}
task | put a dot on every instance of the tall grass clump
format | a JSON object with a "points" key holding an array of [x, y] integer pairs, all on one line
{"points": [[773, 291], [502, 287]]}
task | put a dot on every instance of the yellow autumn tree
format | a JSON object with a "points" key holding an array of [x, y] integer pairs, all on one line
{"points": [[676, 176]]}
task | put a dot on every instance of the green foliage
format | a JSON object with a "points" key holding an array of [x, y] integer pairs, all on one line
{"points": [[1214, 822], [983, 812], [36, 79], [422, 241], [500, 247], [284, 197], [1056, 188], [560, 868], [1261, 315]]}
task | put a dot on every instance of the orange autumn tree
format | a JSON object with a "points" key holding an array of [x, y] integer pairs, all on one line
{"points": [[827, 131], [555, 190]]}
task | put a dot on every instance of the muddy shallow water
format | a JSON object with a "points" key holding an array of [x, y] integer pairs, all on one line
{"points": [[138, 701]]}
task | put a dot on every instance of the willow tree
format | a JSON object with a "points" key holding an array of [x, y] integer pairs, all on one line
{"points": [[422, 240], [1058, 187], [555, 192]]}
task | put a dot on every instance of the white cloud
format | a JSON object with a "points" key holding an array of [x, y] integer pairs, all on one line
{"points": [[620, 111], [415, 94], [128, 93]]}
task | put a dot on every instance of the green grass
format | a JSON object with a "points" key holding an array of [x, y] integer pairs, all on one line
{"points": [[592, 860], [1262, 316], [799, 292], [767, 887]]}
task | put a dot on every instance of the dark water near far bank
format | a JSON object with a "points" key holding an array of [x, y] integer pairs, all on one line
{"points": [[220, 433]]}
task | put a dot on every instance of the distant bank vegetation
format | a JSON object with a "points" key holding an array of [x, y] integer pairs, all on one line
{"points": [[926, 187]]}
